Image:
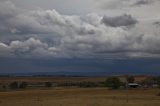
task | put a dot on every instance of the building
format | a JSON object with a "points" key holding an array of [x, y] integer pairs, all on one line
{"points": [[133, 85]]}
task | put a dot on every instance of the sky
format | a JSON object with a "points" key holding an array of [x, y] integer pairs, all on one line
{"points": [[81, 30]]}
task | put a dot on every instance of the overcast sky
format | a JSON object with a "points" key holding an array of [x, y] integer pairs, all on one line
{"points": [[105, 29], [79, 28]]}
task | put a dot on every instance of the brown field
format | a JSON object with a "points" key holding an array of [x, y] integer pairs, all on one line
{"points": [[80, 97], [61, 79], [74, 96]]}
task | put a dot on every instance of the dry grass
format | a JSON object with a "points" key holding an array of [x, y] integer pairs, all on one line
{"points": [[76, 96], [52, 79], [80, 97], [61, 79]]}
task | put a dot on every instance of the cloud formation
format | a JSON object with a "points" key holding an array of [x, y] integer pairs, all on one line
{"points": [[114, 4], [73, 36], [124, 20], [143, 2]]}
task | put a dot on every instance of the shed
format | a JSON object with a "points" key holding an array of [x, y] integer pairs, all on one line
{"points": [[133, 85]]}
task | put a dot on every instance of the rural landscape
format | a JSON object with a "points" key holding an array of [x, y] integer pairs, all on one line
{"points": [[79, 91], [79, 52]]}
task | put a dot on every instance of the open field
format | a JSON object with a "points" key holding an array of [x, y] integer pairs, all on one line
{"points": [[75, 96], [80, 97], [62, 79]]}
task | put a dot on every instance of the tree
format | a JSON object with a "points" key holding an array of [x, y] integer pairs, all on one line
{"points": [[87, 84], [148, 81], [23, 85], [157, 80], [13, 85], [130, 79], [48, 84], [113, 82], [4, 87]]}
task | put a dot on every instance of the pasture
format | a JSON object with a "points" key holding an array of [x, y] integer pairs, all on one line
{"points": [[80, 97], [75, 96]]}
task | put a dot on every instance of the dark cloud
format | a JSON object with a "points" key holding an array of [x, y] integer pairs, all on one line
{"points": [[124, 20], [142, 2], [157, 23], [86, 67]]}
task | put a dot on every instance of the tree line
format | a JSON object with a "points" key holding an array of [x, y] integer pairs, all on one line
{"points": [[110, 82]]}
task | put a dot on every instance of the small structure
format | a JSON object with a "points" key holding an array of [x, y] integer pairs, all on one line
{"points": [[133, 85]]}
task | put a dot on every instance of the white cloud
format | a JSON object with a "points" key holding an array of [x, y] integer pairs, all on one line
{"points": [[74, 36]]}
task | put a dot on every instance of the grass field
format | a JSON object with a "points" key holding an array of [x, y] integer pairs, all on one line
{"points": [[80, 97], [62, 79], [74, 96]]}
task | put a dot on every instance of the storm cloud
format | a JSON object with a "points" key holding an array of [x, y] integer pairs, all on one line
{"points": [[143, 2], [124, 20], [70, 36]]}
